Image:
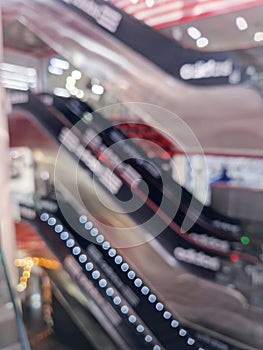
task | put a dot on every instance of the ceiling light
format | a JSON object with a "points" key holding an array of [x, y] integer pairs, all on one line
{"points": [[71, 81], [97, 89], [74, 91], [258, 36], [134, 1], [80, 93], [202, 42], [241, 23], [61, 92], [55, 70], [194, 33], [70, 87], [76, 74], [58, 63]]}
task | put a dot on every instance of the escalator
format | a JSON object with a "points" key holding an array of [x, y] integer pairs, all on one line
{"points": [[76, 233]]}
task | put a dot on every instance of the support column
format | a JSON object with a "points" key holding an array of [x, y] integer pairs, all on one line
{"points": [[7, 233]]}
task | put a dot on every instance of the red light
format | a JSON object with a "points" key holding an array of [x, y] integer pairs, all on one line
{"points": [[234, 258]]}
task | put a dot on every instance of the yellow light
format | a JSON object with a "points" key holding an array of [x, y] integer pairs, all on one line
{"points": [[23, 279], [27, 268], [17, 262], [26, 274], [35, 260]]}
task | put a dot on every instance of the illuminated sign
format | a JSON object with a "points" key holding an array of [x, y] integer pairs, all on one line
{"points": [[207, 69], [199, 259]]}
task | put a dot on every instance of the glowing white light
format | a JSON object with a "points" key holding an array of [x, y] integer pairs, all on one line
{"points": [[70, 243], [71, 88], [76, 250], [131, 275], [106, 245], [88, 225], [73, 91], [156, 347], [202, 42], [134, 2], [159, 306], [132, 319], [80, 93], [76, 74], [51, 221], [82, 258], [190, 341], [83, 219], [58, 228], [95, 274], [109, 292], [174, 323], [71, 81], [36, 304], [241, 23], [35, 297], [140, 328], [152, 298], [258, 36], [125, 267], [194, 33], [102, 283], [97, 89], [167, 315], [145, 290], [138, 282], [89, 266], [54, 70], [99, 238], [44, 217], [58, 63], [182, 332], [20, 287], [118, 259], [124, 309], [64, 236], [61, 92], [112, 252], [13, 68], [94, 232], [117, 300], [148, 338]]}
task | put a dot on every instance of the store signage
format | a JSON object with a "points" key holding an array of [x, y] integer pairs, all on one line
{"points": [[207, 69], [211, 242], [227, 226], [199, 259]]}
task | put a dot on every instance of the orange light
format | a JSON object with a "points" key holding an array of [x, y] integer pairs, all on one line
{"points": [[35, 260], [23, 279]]}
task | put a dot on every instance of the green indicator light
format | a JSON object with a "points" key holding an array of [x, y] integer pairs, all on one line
{"points": [[244, 240]]}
